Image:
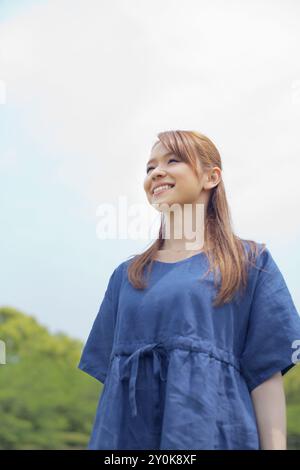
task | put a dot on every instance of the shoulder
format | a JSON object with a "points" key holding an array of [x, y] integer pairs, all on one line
{"points": [[121, 267], [252, 246], [260, 262], [119, 272], [258, 254], [264, 271]]}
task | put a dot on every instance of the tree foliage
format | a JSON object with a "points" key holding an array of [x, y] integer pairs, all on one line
{"points": [[46, 402]]}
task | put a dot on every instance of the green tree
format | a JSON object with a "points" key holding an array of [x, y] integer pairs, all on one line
{"points": [[46, 402]]}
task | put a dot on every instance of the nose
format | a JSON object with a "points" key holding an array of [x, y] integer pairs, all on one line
{"points": [[157, 174], [157, 171]]}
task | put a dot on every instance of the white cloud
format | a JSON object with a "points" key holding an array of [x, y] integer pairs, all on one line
{"points": [[94, 84]]}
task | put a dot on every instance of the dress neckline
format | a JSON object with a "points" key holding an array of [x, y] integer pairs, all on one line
{"points": [[180, 261]]}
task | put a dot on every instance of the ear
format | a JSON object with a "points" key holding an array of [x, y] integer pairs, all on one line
{"points": [[214, 177], [208, 180]]}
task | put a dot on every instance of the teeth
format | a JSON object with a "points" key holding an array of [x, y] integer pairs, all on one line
{"points": [[167, 186]]}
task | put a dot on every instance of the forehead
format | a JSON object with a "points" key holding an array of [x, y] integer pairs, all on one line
{"points": [[158, 152]]}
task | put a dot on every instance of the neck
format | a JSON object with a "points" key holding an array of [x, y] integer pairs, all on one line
{"points": [[184, 228]]}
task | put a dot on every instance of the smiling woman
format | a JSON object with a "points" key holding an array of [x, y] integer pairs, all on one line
{"points": [[180, 174], [183, 355]]}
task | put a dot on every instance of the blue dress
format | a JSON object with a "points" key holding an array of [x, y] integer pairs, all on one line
{"points": [[177, 372]]}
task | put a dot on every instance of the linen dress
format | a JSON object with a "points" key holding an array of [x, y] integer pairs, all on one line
{"points": [[177, 372]]}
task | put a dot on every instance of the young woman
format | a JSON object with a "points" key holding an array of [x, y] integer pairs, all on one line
{"points": [[192, 355]]}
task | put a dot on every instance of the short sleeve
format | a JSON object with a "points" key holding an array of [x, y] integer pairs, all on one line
{"points": [[96, 353], [274, 326]]}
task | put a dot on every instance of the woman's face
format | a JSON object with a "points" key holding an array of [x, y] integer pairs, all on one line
{"points": [[165, 168]]}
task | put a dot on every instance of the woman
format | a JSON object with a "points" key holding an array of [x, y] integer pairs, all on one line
{"points": [[192, 357]]}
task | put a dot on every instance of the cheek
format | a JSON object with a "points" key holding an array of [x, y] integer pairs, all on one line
{"points": [[187, 189], [147, 188], [146, 185], [183, 184]]}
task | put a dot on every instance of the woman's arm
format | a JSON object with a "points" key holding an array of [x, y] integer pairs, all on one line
{"points": [[270, 408]]}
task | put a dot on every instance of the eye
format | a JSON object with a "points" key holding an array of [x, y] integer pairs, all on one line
{"points": [[170, 160]]}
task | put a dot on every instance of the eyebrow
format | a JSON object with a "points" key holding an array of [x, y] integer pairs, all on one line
{"points": [[154, 159]]}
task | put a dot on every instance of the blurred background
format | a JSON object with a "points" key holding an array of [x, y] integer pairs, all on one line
{"points": [[85, 86]]}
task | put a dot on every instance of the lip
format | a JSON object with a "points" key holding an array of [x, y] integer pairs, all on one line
{"points": [[158, 193], [161, 184]]}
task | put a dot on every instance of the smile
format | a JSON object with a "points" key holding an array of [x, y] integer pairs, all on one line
{"points": [[162, 189]]}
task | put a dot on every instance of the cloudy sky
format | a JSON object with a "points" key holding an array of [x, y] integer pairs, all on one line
{"points": [[85, 86]]}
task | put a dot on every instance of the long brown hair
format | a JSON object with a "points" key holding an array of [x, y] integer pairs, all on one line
{"points": [[227, 253]]}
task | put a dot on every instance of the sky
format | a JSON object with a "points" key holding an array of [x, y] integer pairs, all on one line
{"points": [[85, 87]]}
